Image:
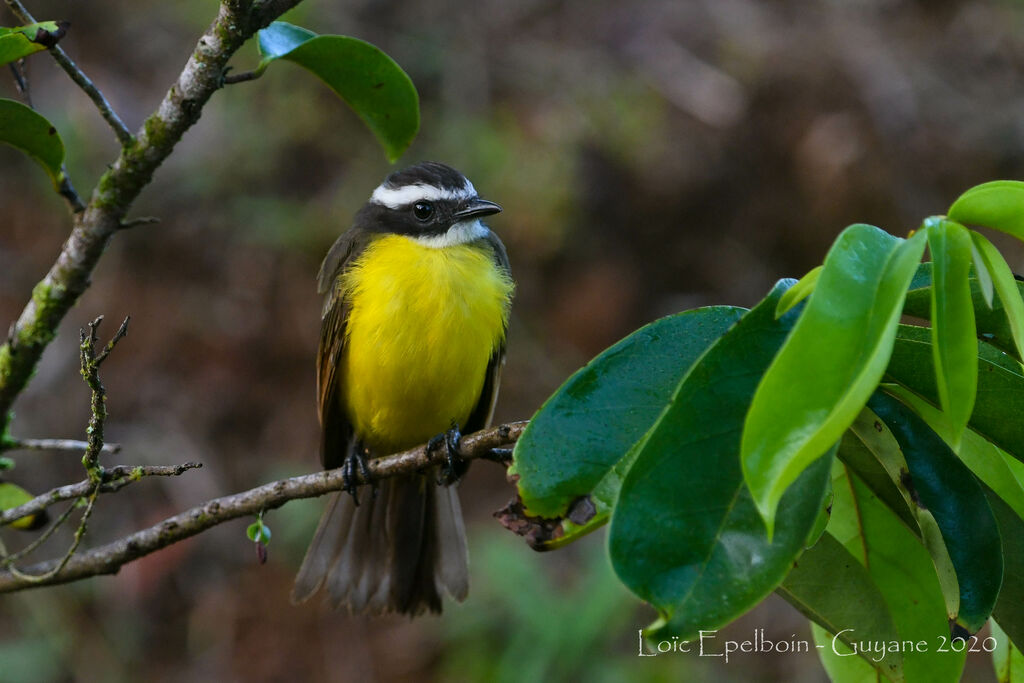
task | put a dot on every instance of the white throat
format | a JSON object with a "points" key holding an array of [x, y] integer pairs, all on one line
{"points": [[460, 233]]}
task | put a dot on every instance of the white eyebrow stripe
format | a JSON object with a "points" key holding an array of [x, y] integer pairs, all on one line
{"points": [[394, 198], [460, 233]]}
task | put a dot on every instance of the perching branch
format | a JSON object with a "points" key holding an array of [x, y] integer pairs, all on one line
{"points": [[109, 558], [106, 111], [117, 189]]}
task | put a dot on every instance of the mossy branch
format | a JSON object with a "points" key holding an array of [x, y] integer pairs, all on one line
{"points": [[109, 558], [120, 185]]}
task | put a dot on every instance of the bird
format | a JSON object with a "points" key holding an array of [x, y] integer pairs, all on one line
{"points": [[413, 335]]}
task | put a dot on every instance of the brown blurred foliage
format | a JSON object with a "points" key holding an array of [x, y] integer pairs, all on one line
{"points": [[651, 156]]}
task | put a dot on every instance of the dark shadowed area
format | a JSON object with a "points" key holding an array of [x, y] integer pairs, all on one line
{"points": [[650, 156]]}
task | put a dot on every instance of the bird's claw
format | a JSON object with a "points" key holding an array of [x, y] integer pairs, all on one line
{"points": [[353, 469], [454, 465]]}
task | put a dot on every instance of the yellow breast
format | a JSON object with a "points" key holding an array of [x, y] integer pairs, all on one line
{"points": [[421, 329]]}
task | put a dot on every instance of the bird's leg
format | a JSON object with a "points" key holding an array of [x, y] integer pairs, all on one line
{"points": [[355, 467], [454, 465]]}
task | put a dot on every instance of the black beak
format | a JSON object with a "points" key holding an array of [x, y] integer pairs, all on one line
{"points": [[475, 208]]}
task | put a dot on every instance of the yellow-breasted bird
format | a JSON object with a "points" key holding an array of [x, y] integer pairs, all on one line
{"points": [[411, 346]]}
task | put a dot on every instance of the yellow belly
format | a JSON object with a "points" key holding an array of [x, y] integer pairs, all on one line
{"points": [[421, 329]]}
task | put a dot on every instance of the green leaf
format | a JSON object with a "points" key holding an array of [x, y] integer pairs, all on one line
{"points": [[998, 205], [1008, 610], [685, 535], [942, 488], [800, 291], [1006, 285], [11, 496], [1007, 658], [902, 570], [831, 363], [882, 443], [369, 81], [860, 460], [981, 272], [854, 609], [954, 345], [577, 442], [23, 41], [1000, 400], [26, 130], [994, 467], [992, 324], [258, 532]]}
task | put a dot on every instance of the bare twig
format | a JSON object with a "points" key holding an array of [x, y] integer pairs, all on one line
{"points": [[52, 445], [91, 362], [113, 479], [141, 220], [241, 77], [21, 81], [109, 558], [117, 189], [124, 135], [67, 191], [49, 574], [43, 537]]}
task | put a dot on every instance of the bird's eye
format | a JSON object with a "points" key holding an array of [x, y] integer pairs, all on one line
{"points": [[423, 210]]}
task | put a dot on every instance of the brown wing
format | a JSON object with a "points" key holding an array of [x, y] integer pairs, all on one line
{"points": [[335, 430], [484, 410]]}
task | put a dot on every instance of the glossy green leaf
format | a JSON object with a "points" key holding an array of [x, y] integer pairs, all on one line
{"points": [[875, 434], [989, 463], [574, 442], [11, 496], [943, 488], [369, 81], [26, 130], [800, 291], [954, 345], [1000, 400], [831, 363], [1007, 658], [902, 570], [22, 41], [685, 535], [860, 460], [980, 271], [998, 205], [1009, 610], [832, 589], [1006, 285]]}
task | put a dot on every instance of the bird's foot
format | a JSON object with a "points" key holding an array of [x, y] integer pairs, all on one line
{"points": [[353, 469], [454, 465]]}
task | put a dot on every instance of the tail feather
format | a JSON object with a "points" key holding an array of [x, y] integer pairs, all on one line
{"points": [[394, 553]]}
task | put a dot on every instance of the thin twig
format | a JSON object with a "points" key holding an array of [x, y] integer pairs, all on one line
{"points": [[67, 191], [91, 362], [50, 573], [114, 479], [241, 77], [18, 69], [43, 537], [124, 135], [109, 558], [141, 220], [53, 445]]}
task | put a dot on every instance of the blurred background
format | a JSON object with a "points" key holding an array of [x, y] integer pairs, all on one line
{"points": [[651, 157]]}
